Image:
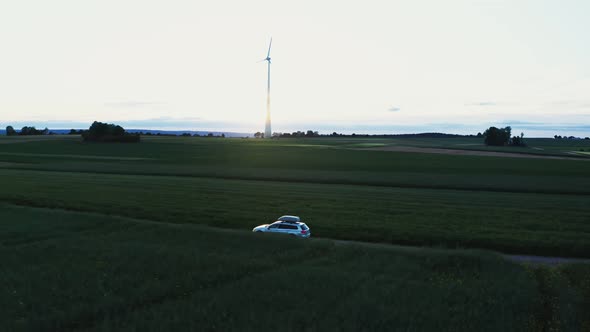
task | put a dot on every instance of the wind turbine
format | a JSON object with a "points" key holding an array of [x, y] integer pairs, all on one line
{"points": [[267, 130]]}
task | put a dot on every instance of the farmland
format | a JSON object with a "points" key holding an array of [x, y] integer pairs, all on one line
{"points": [[155, 235]]}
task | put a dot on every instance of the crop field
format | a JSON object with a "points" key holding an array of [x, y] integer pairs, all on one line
{"points": [[77, 271], [155, 235]]}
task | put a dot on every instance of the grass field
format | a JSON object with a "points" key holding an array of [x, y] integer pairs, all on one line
{"points": [[76, 271], [83, 264], [533, 206]]}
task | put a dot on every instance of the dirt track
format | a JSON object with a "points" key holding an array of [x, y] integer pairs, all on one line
{"points": [[527, 259], [466, 152]]}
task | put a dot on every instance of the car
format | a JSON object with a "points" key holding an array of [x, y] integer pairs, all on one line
{"points": [[289, 226]]}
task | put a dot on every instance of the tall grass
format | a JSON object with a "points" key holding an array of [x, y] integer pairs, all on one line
{"points": [[518, 223], [75, 271]]}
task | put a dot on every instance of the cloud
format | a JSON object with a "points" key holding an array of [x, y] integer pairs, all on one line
{"points": [[394, 109], [483, 103], [135, 103], [570, 103]]}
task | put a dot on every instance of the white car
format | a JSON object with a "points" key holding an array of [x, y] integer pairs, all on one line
{"points": [[290, 225]]}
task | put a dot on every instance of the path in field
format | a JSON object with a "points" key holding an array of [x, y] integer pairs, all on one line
{"points": [[529, 259], [466, 152]]}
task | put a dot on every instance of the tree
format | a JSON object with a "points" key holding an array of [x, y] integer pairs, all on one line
{"points": [[10, 131], [259, 135], [107, 132], [518, 140], [497, 136]]}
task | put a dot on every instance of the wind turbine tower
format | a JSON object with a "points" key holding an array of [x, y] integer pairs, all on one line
{"points": [[267, 130]]}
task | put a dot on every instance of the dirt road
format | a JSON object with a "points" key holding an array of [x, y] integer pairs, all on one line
{"points": [[467, 152]]}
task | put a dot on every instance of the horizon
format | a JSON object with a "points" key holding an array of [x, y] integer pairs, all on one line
{"points": [[325, 133], [404, 67]]}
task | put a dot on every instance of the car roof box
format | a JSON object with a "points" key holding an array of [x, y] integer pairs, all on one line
{"points": [[289, 218]]}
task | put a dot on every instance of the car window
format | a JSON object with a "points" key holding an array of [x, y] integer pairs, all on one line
{"points": [[273, 226], [283, 226], [304, 227]]}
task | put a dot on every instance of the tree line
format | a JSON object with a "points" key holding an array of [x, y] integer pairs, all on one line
{"points": [[98, 132], [26, 131]]}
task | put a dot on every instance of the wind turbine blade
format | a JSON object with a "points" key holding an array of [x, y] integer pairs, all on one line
{"points": [[269, 45], [260, 60]]}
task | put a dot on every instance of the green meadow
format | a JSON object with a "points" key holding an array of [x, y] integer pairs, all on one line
{"points": [[156, 235]]}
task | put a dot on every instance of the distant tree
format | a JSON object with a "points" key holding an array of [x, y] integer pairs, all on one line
{"points": [[10, 131], [210, 135], [222, 135], [587, 138], [518, 140], [186, 134], [26, 131], [258, 135], [497, 136], [479, 134], [107, 132]]}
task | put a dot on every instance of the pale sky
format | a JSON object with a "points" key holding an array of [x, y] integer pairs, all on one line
{"points": [[347, 66]]}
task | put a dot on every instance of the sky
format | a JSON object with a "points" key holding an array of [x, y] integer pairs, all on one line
{"points": [[396, 66]]}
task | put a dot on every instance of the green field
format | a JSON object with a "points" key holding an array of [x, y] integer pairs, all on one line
{"points": [[74, 260], [532, 206], [76, 271]]}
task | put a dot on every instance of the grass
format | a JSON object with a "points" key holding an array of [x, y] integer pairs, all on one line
{"points": [[513, 205], [126, 244], [71, 271], [509, 222], [565, 297], [296, 161]]}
